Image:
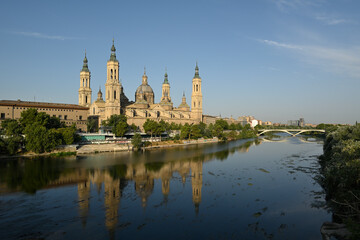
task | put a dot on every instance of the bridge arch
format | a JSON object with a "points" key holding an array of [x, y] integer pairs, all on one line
{"points": [[292, 132]]}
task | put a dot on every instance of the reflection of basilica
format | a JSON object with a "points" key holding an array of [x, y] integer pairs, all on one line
{"points": [[143, 176], [112, 180]]}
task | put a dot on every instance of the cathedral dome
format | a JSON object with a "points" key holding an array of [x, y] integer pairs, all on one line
{"points": [[144, 89]]}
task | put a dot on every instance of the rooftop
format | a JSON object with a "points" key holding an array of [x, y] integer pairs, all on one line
{"points": [[19, 103]]}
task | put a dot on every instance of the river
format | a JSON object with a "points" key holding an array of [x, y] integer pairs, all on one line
{"points": [[244, 189]]}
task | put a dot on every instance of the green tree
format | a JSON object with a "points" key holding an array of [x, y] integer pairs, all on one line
{"points": [[37, 138], [92, 125], [13, 144], [3, 147], [195, 131], [54, 122], [217, 131], [67, 135], [14, 139], [222, 123], [185, 131], [159, 129], [114, 120], [11, 127], [28, 117], [121, 128], [150, 126], [232, 126], [136, 141], [133, 127]]}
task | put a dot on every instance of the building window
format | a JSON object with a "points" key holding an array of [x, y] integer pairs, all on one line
{"points": [[85, 99], [2, 115], [194, 104], [114, 94], [80, 117], [65, 117], [115, 74], [60, 116], [111, 74]]}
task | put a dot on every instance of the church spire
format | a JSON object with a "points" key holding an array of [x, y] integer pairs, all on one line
{"points": [[113, 54], [85, 65], [144, 78], [196, 71], [166, 81]]}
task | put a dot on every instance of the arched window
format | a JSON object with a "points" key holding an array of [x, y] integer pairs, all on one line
{"points": [[85, 99], [197, 88], [111, 74], [115, 74], [83, 82], [114, 94]]}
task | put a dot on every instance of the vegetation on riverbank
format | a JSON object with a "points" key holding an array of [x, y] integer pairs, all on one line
{"points": [[221, 129], [35, 132], [340, 168]]}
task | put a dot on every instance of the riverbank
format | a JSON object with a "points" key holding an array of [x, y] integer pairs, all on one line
{"points": [[71, 150], [340, 169], [111, 147]]}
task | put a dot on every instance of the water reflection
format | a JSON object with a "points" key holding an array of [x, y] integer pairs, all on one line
{"points": [[120, 178]]}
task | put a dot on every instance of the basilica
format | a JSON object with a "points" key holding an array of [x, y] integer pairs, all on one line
{"points": [[144, 107]]}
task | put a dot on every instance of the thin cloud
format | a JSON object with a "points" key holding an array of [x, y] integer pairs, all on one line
{"points": [[281, 45], [343, 61], [44, 36], [285, 5], [330, 20]]}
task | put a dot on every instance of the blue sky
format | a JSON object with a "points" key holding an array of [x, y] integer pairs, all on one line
{"points": [[274, 59]]}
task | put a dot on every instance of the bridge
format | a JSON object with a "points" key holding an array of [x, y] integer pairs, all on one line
{"points": [[292, 132]]}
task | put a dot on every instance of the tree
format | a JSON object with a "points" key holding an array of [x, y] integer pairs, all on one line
{"points": [[39, 139], [13, 144], [11, 127], [222, 123], [150, 126], [3, 147], [92, 125], [133, 127], [160, 128], [232, 126], [195, 131], [185, 131], [14, 139], [217, 130], [114, 120], [121, 128], [136, 141], [54, 122], [28, 117], [67, 135]]}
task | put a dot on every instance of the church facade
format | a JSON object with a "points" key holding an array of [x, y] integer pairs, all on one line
{"points": [[144, 106]]}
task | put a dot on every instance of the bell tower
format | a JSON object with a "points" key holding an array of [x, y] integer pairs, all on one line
{"points": [[85, 90], [165, 98], [112, 86], [196, 96]]}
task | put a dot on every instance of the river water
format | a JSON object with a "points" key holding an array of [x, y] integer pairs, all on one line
{"points": [[237, 190]]}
